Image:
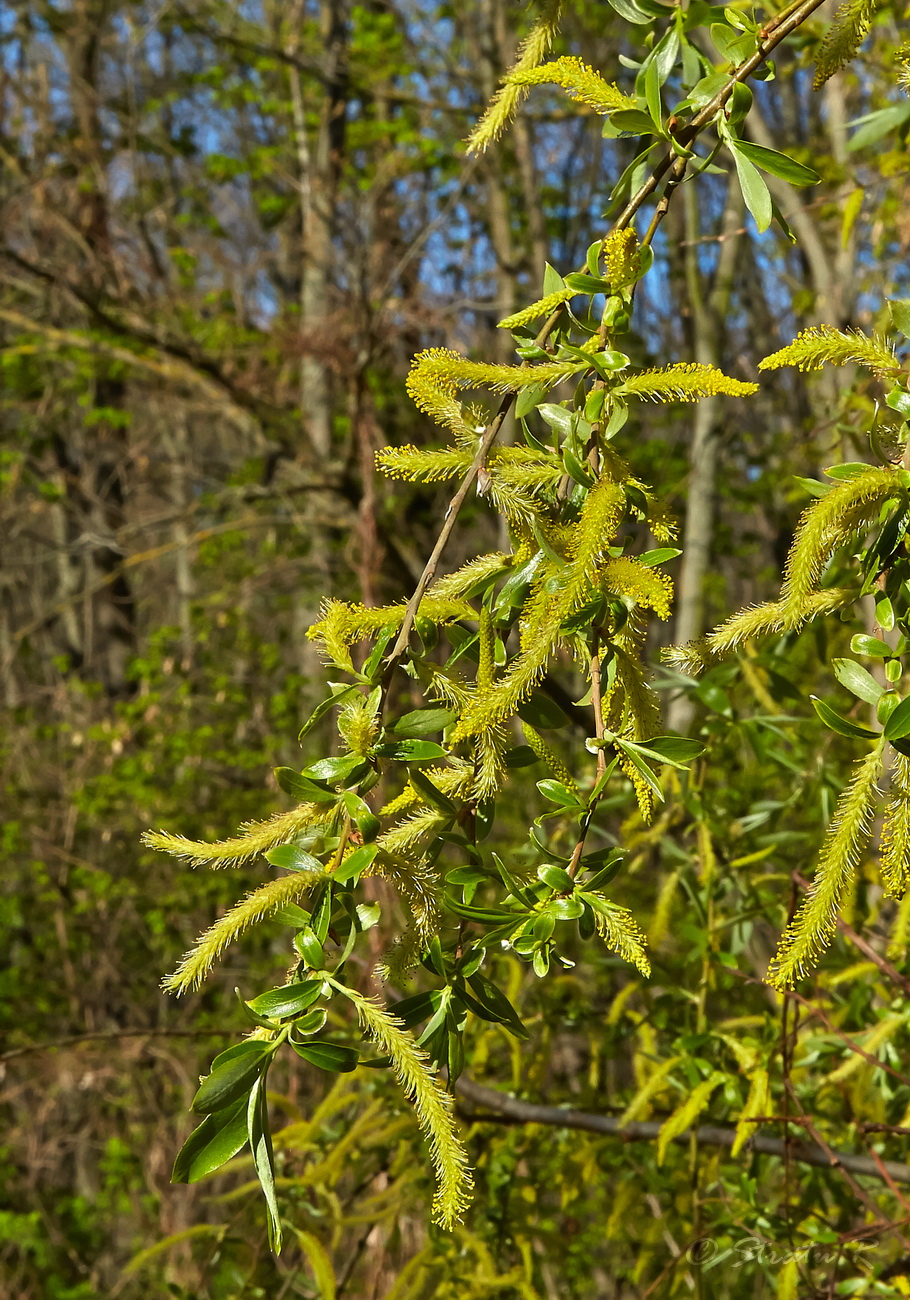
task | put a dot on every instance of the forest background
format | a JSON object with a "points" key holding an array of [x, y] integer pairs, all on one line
{"points": [[227, 228]]}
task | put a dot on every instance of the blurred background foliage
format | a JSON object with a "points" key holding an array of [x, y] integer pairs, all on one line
{"points": [[227, 227]]}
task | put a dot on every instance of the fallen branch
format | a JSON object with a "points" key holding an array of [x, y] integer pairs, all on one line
{"points": [[511, 1109]]}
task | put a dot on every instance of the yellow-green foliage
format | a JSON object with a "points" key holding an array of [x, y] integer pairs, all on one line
{"points": [[653, 1085], [532, 52], [577, 80], [843, 38], [420, 465], [687, 1113], [895, 840], [758, 1102], [198, 962], [687, 381], [631, 708], [433, 1105], [252, 839], [824, 345], [461, 580], [342, 625], [540, 635], [811, 930]]}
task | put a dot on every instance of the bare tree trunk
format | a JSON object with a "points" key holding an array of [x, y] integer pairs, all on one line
{"points": [[708, 315]]}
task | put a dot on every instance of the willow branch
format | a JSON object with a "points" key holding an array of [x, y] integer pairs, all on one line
{"points": [[512, 1110]]}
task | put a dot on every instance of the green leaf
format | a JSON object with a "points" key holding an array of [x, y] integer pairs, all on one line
{"points": [[558, 793], [495, 1002], [354, 865], [871, 646], [431, 793], [307, 944], [552, 280], [521, 756], [842, 726], [287, 1001], [900, 315], [257, 1118], [898, 725], [299, 787], [632, 121], [539, 711], [328, 1056], [778, 164], [423, 722], [291, 858], [362, 815], [556, 877], [605, 864], [333, 770], [857, 679], [338, 696], [652, 93], [410, 751], [899, 400], [874, 126], [674, 749], [755, 191], [650, 559], [590, 284], [232, 1079], [217, 1139], [632, 12]]}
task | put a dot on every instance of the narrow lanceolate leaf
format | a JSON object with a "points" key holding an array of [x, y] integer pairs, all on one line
{"points": [[778, 164], [260, 1136], [686, 1114], [757, 1103], [755, 191], [811, 930], [217, 1139], [432, 1103], [843, 38]]}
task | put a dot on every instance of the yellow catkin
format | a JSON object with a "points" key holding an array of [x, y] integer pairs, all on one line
{"points": [[688, 381], [578, 80], [895, 841], [813, 927], [252, 839], [432, 1104], [504, 105], [824, 345], [622, 257], [543, 307], [843, 38], [198, 962]]}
